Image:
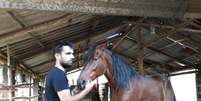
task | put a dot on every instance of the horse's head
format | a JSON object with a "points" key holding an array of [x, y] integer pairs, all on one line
{"points": [[95, 65]]}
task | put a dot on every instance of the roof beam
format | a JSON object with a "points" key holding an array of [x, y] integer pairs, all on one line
{"points": [[38, 65], [146, 61], [166, 27], [158, 8], [38, 51], [132, 28], [20, 66], [140, 49], [23, 25], [13, 36], [170, 32], [158, 51]]}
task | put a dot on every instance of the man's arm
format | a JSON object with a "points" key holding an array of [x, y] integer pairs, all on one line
{"points": [[65, 95]]}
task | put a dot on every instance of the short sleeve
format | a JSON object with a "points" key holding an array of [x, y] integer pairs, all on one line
{"points": [[60, 82]]}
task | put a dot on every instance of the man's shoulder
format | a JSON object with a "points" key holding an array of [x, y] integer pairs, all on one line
{"points": [[55, 71]]}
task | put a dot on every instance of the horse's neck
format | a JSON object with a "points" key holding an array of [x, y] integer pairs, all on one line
{"points": [[108, 73], [114, 90], [109, 77], [112, 82]]}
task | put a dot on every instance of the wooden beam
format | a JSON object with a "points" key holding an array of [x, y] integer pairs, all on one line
{"points": [[140, 44], [23, 26], [169, 33], [36, 26], [158, 51], [48, 61], [9, 37], [76, 41], [130, 30], [146, 61], [20, 66], [196, 31], [188, 72], [164, 67], [30, 88], [64, 33], [9, 72], [158, 8]]}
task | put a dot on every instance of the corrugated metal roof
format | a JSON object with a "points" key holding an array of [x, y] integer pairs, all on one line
{"points": [[31, 34]]}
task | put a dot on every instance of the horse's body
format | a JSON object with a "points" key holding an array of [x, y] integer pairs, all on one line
{"points": [[125, 83], [144, 89]]}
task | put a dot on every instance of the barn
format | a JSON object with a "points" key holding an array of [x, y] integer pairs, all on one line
{"points": [[163, 36]]}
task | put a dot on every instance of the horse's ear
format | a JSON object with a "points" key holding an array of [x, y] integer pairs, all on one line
{"points": [[99, 49]]}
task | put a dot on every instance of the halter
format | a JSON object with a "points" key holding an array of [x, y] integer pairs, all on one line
{"points": [[104, 70], [95, 65]]}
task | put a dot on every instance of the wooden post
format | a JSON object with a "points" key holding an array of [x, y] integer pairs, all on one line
{"points": [[140, 50], [30, 88], [13, 83], [9, 74], [79, 57], [36, 89], [198, 84]]}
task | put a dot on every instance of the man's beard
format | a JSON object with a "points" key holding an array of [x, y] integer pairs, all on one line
{"points": [[65, 65]]}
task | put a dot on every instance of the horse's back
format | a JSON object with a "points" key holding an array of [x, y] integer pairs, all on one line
{"points": [[149, 88]]}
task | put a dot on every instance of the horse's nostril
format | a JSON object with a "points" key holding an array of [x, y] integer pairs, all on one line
{"points": [[81, 84]]}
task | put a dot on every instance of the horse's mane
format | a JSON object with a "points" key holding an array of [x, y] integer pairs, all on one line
{"points": [[122, 71]]}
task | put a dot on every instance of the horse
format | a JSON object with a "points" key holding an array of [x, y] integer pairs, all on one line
{"points": [[125, 82]]}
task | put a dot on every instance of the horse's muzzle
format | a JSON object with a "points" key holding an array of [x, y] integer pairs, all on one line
{"points": [[81, 84]]}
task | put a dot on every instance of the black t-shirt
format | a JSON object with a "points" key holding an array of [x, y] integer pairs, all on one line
{"points": [[56, 80]]}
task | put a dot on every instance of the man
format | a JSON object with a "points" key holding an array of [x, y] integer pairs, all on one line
{"points": [[57, 87]]}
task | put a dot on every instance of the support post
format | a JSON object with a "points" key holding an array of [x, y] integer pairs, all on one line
{"points": [[36, 90], [9, 74], [198, 84], [30, 88], [140, 57]]}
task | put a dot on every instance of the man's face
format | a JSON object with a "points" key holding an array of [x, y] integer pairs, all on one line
{"points": [[67, 57]]}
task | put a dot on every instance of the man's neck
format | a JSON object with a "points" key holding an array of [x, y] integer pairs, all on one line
{"points": [[57, 65]]}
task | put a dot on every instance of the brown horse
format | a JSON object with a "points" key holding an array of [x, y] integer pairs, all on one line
{"points": [[125, 83]]}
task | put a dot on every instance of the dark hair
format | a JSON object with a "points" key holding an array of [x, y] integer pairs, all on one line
{"points": [[59, 46]]}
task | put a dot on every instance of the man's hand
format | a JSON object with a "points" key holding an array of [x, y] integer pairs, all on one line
{"points": [[91, 84]]}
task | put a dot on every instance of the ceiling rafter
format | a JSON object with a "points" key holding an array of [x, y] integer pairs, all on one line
{"points": [[171, 32], [194, 52], [37, 40], [4, 37], [60, 31], [116, 29], [140, 50], [20, 65], [156, 50], [38, 51], [35, 26], [130, 30], [161, 36], [165, 26]]}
